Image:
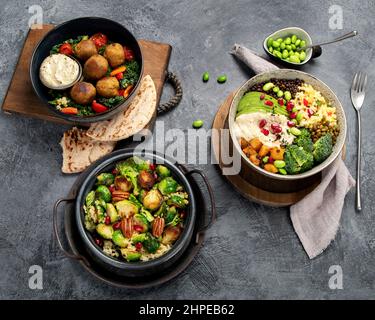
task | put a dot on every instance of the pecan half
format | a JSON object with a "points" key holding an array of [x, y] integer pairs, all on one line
{"points": [[158, 227], [127, 227], [118, 195]]}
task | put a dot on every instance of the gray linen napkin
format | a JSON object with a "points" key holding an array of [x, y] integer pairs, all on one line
{"points": [[316, 217]]}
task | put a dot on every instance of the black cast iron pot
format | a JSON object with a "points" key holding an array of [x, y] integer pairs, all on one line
{"points": [[71, 29], [136, 269]]}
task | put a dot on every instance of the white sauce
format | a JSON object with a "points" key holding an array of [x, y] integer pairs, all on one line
{"points": [[58, 70], [247, 127]]}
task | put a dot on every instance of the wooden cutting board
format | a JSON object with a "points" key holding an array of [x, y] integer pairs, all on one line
{"points": [[21, 99]]}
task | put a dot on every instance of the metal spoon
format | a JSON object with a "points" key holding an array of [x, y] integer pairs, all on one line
{"points": [[345, 36]]}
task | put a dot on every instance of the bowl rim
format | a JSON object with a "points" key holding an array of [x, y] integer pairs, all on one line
{"points": [[176, 248], [312, 171], [96, 117], [308, 55]]}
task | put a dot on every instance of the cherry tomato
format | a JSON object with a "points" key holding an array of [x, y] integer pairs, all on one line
{"points": [[119, 76], [66, 48], [129, 54], [98, 108], [121, 92], [99, 39]]}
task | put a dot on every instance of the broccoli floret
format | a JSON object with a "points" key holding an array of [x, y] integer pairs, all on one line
{"points": [[297, 160], [323, 148], [304, 140]]}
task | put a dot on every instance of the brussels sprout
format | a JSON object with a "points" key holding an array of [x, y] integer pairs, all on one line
{"points": [[152, 200], [146, 180], [162, 210], [100, 206], [90, 198], [178, 199], [133, 199], [151, 244], [105, 231], [163, 171], [170, 215], [126, 208], [139, 237], [105, 178], [147, 215], [141, 221], [171, 234], [112, 212], [167, 185], [131, 174], [123, 184], [102, 192], [119, 239], [142, 194], [89, 224], [130, 255]]}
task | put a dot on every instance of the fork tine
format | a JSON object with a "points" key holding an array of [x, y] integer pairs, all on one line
{"points": [[360, 79], [354, 83], [364, 83]]}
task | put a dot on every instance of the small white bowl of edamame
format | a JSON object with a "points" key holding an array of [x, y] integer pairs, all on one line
{"points": [[284, 46]]}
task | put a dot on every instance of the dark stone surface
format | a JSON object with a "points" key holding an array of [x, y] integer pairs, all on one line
{"points": [[251, 251]]}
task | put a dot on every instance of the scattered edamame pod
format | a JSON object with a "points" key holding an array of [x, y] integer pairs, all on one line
{"points": [[280, 93], [222, 78], [295, 131], [265, 159], [287, 95], [279, 164], [299, 116], [206, 76], [268, 86], [283, 171], [276, 89], [197, 124]]}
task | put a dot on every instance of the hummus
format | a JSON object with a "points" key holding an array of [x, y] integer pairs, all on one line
{"points": [[247, 126], [58, 70]]}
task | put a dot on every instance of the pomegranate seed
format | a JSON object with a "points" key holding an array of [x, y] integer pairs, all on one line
{"points": [[292, 115], [275, 127], [138, 228], [265, 132], [262, 96], [183, 214], [262, 123], [290, 124], [271, 160], [138, 246], [310, 112], [155, 176], [289, 106], [281, 101], [305, 102], [114, 171], [152, 167], [107, 220], [99, 242], [268, 103], [111, 188], [117, 225]]}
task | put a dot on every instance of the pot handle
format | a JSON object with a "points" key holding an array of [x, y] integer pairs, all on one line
{"points": [[176, 99], [212, 200], [55, 230]]}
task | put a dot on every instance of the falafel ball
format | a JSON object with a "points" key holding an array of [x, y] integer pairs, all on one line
{"points": [[108, 87], [95, 67], [83, 92], [85, 49], [114, 52]]}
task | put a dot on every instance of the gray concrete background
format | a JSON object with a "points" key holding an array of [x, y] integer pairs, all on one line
{"points": [[252, 251]]}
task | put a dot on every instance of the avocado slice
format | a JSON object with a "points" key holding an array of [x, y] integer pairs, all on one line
{"points": [[119, 239], [104, 231], [130, 255], [112, 212]]}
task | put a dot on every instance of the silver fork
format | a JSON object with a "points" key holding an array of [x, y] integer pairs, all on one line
{"points": [[357, 93]]}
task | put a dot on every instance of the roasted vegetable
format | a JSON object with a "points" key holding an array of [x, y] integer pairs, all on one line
{"points": [[162, 210], [147, 215], [123, 184], [297, 160], [100, 208], [170, 215], [119, 239], [112, 213], [102, 192], [151, 244], [323, 148], [171, 234], [146, 180], [152, 200], [126, 208], [90, 198], [140, 221], [178, 199], [130, 255], [131, 174], [105, 178], [304, 140], [139, 237], [163, 171], [167, 185], [105, 231]]}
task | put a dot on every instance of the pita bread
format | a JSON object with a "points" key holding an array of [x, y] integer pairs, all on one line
{"points": [[79, 150], [130, 121]]}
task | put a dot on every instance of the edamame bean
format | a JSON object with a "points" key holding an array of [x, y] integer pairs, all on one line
{"points": [[278, 54], [294, 59], [294, 109], [294, 38], [280, 93], [282, 46], [222, 78], [288, 40], [268, 86], [276, 89], [275, 44], [287, 95], [299, 116], [298, 42], [283, 171], [296, 54], [265, 159], [302, 55], [291, 52], [288, 47], [279, 40], [206, 76], [295, 131], [293, 46], [279, 164], [302, 44], [197, 124], [285, 54], [270, 49], [269, 42]]}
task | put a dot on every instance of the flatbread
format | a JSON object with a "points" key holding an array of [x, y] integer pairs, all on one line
{"points": [[130, 121], [79, 150]]}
